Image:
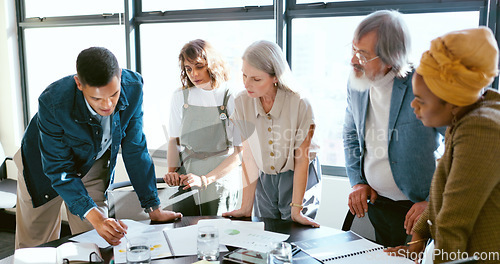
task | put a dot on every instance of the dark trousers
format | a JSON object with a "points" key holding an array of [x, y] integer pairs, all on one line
{"points": [[187, 207], [388, 217]]}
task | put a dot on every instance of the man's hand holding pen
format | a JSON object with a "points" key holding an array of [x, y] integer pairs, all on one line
{"points": [[110, 229]]}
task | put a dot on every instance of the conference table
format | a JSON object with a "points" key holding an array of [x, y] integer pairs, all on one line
{"points": [[296, 231]]}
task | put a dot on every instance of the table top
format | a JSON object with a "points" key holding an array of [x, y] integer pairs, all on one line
{"points": [[296, 231]]}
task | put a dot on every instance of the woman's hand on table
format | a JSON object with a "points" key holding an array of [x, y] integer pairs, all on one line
{"points": [[299, 217], [238, 213]]}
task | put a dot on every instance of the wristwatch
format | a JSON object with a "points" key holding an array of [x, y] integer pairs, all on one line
{"points": [[148, 210]]}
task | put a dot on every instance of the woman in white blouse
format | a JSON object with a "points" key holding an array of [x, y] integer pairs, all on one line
{"points": [[203, 147], [280, 174]]}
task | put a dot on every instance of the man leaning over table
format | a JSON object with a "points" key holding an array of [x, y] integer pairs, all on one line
{"points": [[69, 152], [389, 153]]}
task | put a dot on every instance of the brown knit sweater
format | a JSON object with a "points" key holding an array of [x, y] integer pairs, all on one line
{"points": [[464, 205]]}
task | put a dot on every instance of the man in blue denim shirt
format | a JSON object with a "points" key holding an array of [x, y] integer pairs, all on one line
{"points": [[70, 148], [390, 155]]}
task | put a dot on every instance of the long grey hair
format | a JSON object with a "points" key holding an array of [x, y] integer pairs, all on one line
{"points": [[268, 57]]}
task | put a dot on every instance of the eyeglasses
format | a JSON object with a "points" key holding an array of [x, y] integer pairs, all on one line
{"points": [[361, 58]]}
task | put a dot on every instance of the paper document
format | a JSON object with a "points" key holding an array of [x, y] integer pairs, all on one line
{"points": [[374, 257], [214, 222], [91, 237], [134, 227], [250, 236], [247, 224], [221, 223], [158, 245], [252, 239], [183, 240], [138, 228], [347, 247]]}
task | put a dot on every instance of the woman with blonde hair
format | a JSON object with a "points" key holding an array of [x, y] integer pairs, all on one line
{"points": [[464, 210], [281, 173], [203, 147]]}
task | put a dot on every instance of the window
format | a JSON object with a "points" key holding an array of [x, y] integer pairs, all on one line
{"points": [[318, 2], [50, 8], [51, 53], [152, 5], [321, 53]]}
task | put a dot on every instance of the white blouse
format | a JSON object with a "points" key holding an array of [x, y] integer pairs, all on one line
{"points": [[200, 97], [273, 136]]}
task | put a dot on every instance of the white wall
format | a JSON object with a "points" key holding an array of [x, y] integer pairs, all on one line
{"points": [[11, 124]]}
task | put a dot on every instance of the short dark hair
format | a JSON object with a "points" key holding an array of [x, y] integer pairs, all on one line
{"points": [[96, 66]]}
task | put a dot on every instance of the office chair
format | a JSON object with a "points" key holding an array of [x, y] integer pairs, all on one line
{"points": [[123, 202], [8, 187], [361, 226]]}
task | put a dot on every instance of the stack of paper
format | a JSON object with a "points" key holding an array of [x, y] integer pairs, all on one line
{"points": [[167, 241], [241, 234]]}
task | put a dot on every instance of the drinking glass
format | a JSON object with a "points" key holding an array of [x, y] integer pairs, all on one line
{"points": [[138, 250], [280, 253], [208, 243]]}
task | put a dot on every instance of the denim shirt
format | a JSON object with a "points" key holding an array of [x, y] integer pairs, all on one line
{"points": [[412, 146], [62, 141]]}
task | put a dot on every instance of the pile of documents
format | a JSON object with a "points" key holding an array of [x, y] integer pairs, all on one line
{"points": [[166, 241]]}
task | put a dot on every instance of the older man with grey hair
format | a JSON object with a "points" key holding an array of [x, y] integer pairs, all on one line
{"points": [[390, 156]]}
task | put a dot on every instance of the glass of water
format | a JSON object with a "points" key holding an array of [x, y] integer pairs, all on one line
{"points": [[138, 250], [208, 243], [280, 253]]}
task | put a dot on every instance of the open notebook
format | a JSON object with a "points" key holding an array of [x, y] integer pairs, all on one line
{"points": [[347, 247]]}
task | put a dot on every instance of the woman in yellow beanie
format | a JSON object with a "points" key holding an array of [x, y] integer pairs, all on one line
{"points": [[463, 214]]}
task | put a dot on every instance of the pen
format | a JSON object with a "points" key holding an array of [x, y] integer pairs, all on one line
{"points": [[417, 241], [116, 220]]}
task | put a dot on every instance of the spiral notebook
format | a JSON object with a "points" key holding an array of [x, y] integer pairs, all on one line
{"points": [[347, 247]]}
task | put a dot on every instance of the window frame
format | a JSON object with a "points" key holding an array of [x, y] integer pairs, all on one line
{"points": [[282, 11]]}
